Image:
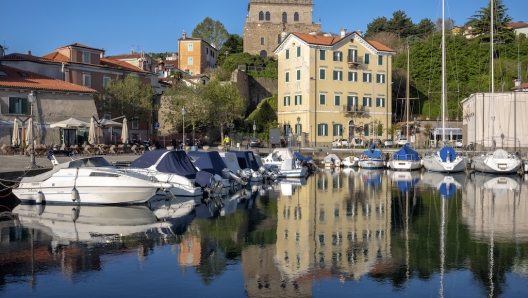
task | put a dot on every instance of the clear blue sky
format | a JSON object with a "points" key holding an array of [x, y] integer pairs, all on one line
{"points": [[155, 26]]}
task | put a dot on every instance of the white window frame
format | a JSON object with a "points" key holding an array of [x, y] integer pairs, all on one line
{"points": [[337, 96], [323, 95], [354, 76], [190, 47], [286, 101], [87, 80], [380, 78], [106, 81], [86, 57]]}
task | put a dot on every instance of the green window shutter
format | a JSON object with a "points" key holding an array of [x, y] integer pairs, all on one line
{"points": [[340, 75], [367, 58], [366, 130], [349, 76], [322, 55], [12, 105], [300, 99], [25, 106], [298, 51], [298, 74], [326, 129], [322, 99], [337, 100], [364, 101], [287, 54], [380, 60], [377, 102], [319, 130], [364, 77], [287, 77], [322, 74]]}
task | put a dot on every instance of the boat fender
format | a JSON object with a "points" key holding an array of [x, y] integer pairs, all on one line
{"points": [[75, 213], [75, 195], [40, 209], [166, 185], [40, 198]]}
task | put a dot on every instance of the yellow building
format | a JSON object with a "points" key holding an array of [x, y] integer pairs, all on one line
{"points": [[196, 55], [329, 86]]}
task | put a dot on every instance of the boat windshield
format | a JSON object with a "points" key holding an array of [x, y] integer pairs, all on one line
{"points": [[91, 162]]}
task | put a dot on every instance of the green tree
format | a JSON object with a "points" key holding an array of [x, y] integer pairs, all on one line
{"points": [[378, 25], [481, 22], [130, 97], [425, 27], [400, 24], [197, 107], [212, 32], [226, 104], [233, 45]]}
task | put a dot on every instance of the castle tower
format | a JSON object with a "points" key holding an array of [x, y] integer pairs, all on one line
{"points": [[268, 20]]}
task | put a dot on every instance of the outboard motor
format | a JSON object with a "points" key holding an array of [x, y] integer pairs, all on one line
{"points": [[268, 172], [245, 173], [228, 174]]}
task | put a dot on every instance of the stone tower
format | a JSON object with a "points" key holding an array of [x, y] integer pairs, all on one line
{"points": [[269, 21]]}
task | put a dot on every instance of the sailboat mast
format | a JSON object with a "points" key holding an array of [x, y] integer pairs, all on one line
{"points": [[407, 92], [443, 76], [492, 81]]}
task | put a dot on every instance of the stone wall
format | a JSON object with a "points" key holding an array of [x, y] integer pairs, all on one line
{"points": [[254, 90]]}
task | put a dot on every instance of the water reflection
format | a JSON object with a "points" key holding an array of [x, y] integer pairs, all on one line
{"points": [[408, 233]]}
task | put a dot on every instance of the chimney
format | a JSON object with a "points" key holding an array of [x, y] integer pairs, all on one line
{"points": [[28, 53], [359, 32], [313, 33], [343, 32], [184, 35]]}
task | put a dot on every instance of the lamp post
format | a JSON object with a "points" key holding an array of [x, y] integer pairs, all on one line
{"points": [[231, 126], [183, 111], [298, 132], [31, 98]]}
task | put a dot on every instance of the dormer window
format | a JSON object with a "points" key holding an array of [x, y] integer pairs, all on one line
{"points": [[86, 57]]}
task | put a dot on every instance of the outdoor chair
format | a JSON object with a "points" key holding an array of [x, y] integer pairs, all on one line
{"points": [[7, 150], [134, 149], [141, 149], [120, 149], [112, 150]]}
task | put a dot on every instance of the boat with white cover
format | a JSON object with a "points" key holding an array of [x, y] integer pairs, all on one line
{"points": [[497, 162], [287, 163], [88, 180], [350, 161]]}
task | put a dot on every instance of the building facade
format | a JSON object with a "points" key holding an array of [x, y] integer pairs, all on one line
{"points": [[268, 21], [334, 87], [196, 55]]}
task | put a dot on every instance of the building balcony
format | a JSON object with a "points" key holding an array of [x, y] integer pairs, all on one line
{"points": [[354, 61], [358, 110]]}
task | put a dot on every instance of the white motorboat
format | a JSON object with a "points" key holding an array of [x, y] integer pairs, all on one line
{"points": [[405, 159], [498, 162], [331, 160], [287, 163], [445, 160], [89, 180], [350, 161], [174, 167]]}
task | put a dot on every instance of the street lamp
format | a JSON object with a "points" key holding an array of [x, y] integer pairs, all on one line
{"points": [[298, 132], [32, 97], [183, 111]]}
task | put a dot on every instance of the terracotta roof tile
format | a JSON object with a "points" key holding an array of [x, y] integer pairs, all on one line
{"points": [[24, 57], [17, 78], [57, 57], [120, 65], [124, 56], [331, 40], [515, 25]]}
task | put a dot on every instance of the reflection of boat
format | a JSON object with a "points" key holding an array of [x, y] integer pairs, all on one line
{"points": [[173, 167], [350, 172], [436, 180], [405, 179], [499, 185], [88, 180], [88, 223], [371, 177], [405, 159]]}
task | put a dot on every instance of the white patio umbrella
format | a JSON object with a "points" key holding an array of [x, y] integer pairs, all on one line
{"points": [[124, 132], [70, 123], [16, 136], [91, 133], [29, 132], [106, 123]]}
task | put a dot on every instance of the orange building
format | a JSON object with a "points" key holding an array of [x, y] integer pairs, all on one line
{"points": [[196, 55]]}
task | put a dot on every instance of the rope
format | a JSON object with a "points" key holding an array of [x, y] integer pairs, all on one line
{"points": [[6, 208], [2, 197]]}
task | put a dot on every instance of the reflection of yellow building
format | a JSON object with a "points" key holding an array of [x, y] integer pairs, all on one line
{"points": [[335, 222], [495, 206], [189, 251]]}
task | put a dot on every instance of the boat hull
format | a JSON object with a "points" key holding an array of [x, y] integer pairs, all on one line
{"points": [[371, 163], [293, 173], [405, 165], [435, 164], [487, 165]]}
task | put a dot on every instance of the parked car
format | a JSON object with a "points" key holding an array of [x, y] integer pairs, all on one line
{"points": [[340, 143], [458, 144], [254, 143], [401, 141], [388, 143], [358, 142]]}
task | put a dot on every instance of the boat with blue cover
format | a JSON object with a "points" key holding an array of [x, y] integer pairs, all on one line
{"points": [[372, 158], [405, 159], [445, 160]]}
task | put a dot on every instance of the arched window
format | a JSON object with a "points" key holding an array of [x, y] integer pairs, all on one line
{"points": [[261, 16], [263, 54], [296, 17], [267, 16], [284, 17]]}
